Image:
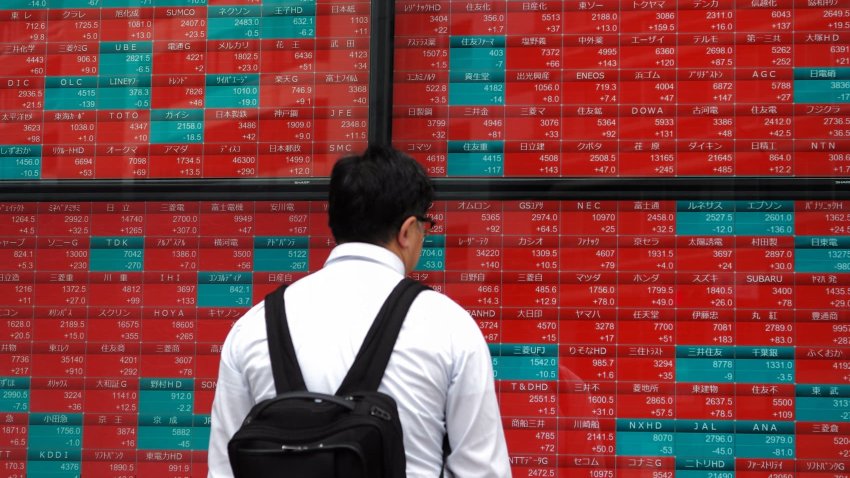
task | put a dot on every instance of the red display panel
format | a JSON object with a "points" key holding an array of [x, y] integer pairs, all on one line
{"points": [[558, 89], [628, 338], [135, 89]]}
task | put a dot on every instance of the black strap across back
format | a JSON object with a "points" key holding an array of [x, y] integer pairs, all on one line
{"points": [[367, 371]]}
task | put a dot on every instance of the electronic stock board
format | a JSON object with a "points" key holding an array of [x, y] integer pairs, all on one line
{"points": [[633, 334]]}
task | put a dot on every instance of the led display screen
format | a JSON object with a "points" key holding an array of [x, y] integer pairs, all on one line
{"points": [[146, 89], [628, 338], [611, 89]]}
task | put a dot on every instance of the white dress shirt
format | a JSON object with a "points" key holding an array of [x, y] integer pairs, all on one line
{"points": [[440, 372]]}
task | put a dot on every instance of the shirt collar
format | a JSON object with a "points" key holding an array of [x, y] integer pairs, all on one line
{"points": [[367, 252]]}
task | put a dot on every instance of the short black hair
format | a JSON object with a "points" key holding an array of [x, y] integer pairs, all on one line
{"points": [[373, 193]]}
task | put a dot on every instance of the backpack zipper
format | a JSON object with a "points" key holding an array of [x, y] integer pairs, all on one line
{"points": [[379, 412]]}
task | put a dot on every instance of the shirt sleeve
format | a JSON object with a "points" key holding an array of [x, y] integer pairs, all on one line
{"points": [[231, 405], [473, 421]]}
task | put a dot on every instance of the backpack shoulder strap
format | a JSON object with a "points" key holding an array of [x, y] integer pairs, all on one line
{"points": [[285, 368], [367, 371]]}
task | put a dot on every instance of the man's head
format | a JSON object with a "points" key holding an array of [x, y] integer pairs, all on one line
{"points": [[377, 197]]}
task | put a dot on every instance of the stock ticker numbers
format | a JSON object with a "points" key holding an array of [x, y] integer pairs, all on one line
{"points": [[136, 89], [624, 89], [115, 89], [698, 339]]}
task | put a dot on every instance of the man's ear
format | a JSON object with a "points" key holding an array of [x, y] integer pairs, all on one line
{"points": [[407, 236]]}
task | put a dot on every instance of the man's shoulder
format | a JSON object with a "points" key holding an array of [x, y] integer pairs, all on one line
{"points": [[439, 311], [437, 299], [250, 324]]}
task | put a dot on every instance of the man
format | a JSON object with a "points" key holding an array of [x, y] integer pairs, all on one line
{"points": [[440, 373]]}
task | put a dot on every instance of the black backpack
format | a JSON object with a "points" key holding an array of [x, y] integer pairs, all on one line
{"points": [[354, 433]]}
